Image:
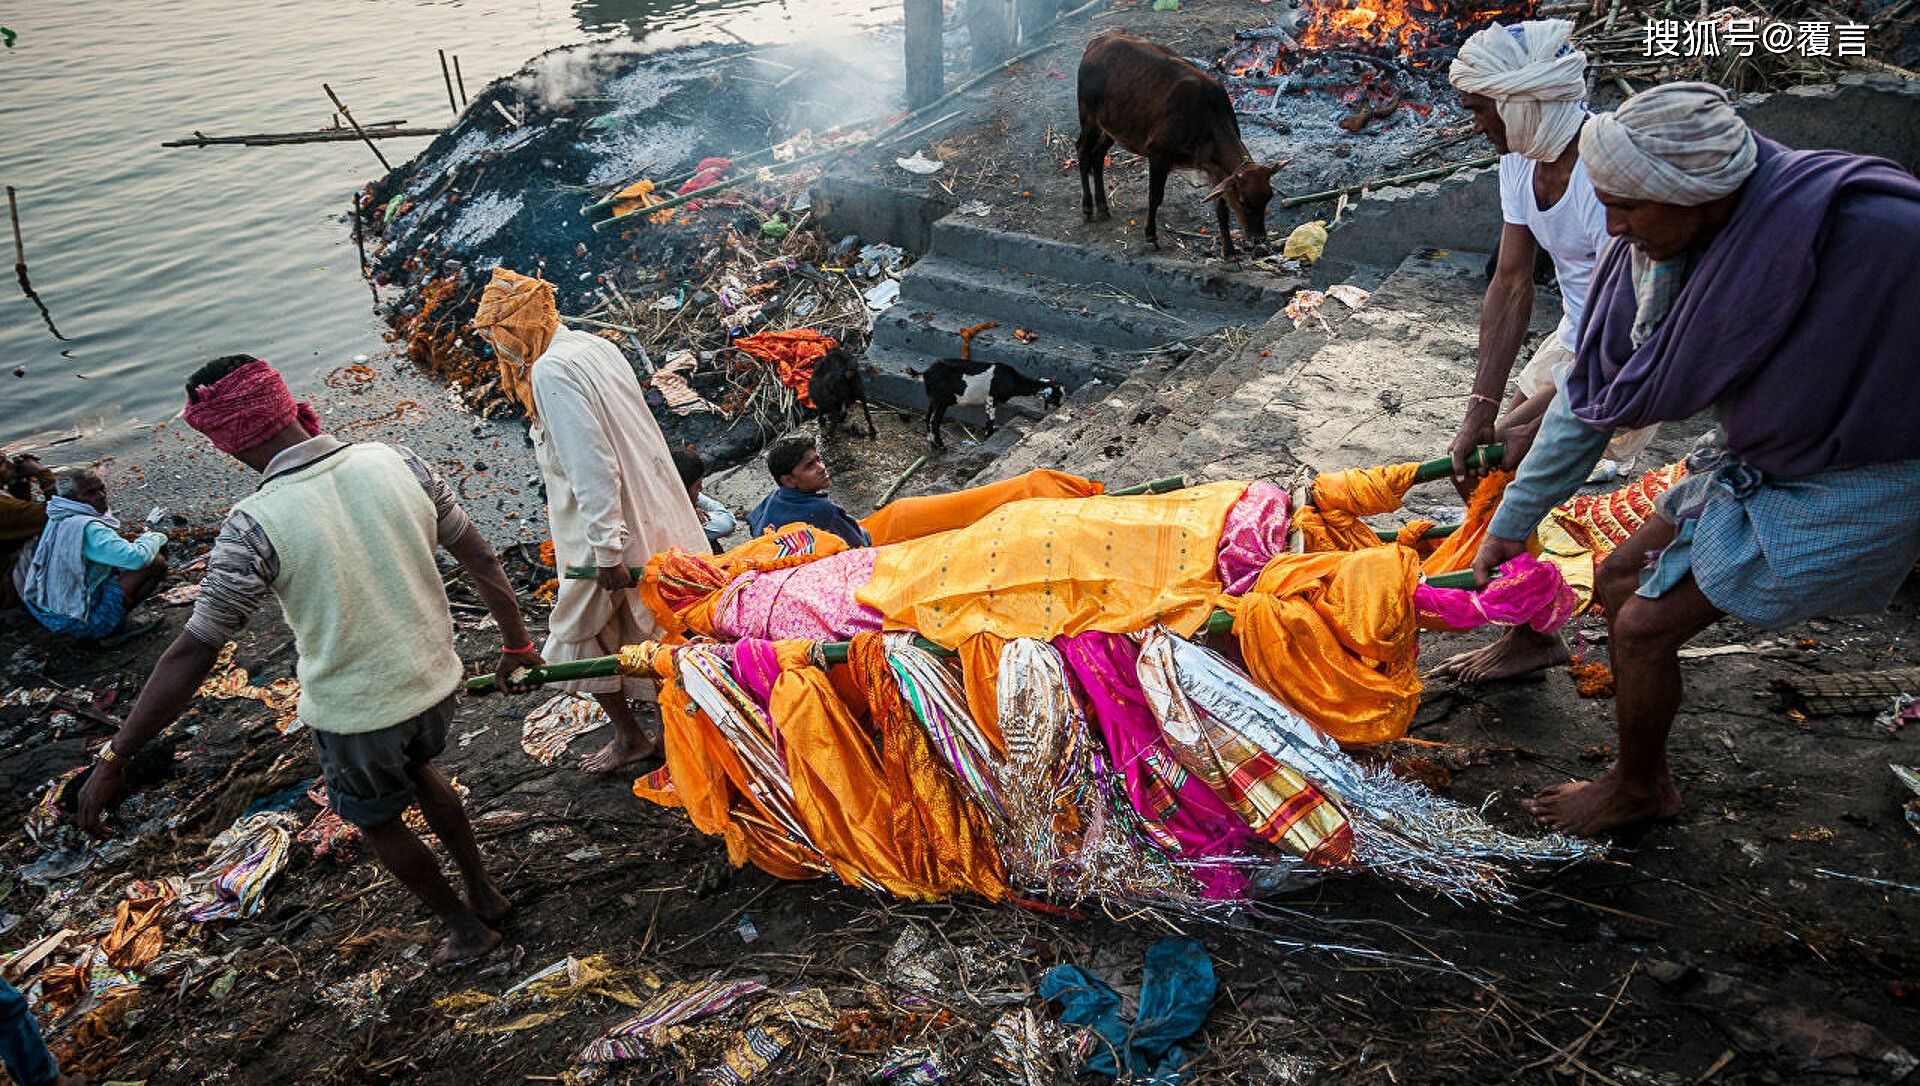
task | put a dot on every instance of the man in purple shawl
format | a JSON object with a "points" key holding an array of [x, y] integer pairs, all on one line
{"points": [[1775, 290]]}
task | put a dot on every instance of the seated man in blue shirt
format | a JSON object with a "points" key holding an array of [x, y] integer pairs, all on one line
{"points": [[81, 577], [801, 496]]}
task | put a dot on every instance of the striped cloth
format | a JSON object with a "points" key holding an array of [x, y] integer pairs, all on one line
{"points": [[1281, 805], [675, 1004], [1773, 552], [739, 719], [940, 703]]}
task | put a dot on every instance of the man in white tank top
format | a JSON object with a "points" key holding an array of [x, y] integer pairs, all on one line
{"points": [[1525, 85]]}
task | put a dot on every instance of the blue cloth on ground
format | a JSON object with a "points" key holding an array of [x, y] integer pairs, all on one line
{"points": [[787, 505], [104, 614], [1176, 992], [21, 1046]]}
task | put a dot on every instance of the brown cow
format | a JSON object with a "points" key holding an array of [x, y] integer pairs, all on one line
{"points": [[1157, 105]]}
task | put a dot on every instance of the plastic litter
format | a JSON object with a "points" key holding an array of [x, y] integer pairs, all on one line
{"points": [[1306, 242], [1349, 295], [878, 259], [882, 295], [558, 721], [919, 164]]}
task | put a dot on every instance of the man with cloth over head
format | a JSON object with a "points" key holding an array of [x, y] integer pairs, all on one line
{"points": [[343, 535], [1775, 289], [1525, 85], [614, 498]]}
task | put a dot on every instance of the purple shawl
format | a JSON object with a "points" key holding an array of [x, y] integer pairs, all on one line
{"points": [[1801, 321]]}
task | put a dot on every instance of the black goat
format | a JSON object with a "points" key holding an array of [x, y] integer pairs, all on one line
{"points": [[953, 381], [836, 386]]}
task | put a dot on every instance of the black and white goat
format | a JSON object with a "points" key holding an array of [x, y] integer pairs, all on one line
{"points": [[953, 381]]}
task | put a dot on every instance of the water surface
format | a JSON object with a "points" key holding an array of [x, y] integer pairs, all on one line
{"points": [[153, 260]]}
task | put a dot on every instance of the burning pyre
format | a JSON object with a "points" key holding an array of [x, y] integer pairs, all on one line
{"points": [[1376, 56]]}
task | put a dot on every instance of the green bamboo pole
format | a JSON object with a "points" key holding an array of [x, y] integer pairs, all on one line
{"points": [[1484, 457], [1157, 486], [835, 652], [1438, 531]]}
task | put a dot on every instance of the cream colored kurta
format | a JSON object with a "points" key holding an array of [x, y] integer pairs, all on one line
{"points": [[612, 497]]}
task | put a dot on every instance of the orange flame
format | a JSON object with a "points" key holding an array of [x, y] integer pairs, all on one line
{"points": [[1379, 24]]}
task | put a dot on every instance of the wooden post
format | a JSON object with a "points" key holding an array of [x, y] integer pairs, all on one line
{"points": [[926, 64], [448, 76], [19, 249], [990, 26], [371, 146], [20, 266], [1034, 15], [460, 81]]}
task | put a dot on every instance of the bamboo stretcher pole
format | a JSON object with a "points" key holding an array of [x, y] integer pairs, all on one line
{"points": [[835, 652]]}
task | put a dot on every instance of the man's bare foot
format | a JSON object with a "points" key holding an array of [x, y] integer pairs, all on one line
{"points": [[469, 941], [1520, 651], [618, 754], [1593, 808], [489, 904]]}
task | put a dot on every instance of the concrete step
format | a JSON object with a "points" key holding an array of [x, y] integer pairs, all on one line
{"points": [[1388, 387], [1090, 432], [933, 332], [1246, 293], [1049, 306]]}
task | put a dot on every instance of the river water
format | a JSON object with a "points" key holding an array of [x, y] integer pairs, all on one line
{"points": [[152, 260]]}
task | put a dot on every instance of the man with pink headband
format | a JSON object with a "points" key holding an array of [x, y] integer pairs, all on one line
{"points": [[343, 535]]}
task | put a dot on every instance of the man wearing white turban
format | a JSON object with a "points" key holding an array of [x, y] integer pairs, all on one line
{"points": [[1774, 289], [1525, 85]]}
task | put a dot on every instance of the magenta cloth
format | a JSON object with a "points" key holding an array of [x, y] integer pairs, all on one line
{"points": [[1256, 530], [246, 407], [1528, 591], [811, 602], [755, 666], [1181, 813], [1799, 323]]}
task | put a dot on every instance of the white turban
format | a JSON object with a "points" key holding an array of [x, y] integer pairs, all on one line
{"points": [[1681, 143], [1536, 78]]}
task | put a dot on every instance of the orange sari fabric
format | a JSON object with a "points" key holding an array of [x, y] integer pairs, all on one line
{"points": [[705, 777], [1332, 636], [942, 834], [792, 355], [913, 518], [980, 676], [1050, 567], [1457, 550], [1341, 498]]}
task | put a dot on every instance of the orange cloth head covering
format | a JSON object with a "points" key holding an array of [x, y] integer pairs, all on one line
{"points": [[518, 317]]}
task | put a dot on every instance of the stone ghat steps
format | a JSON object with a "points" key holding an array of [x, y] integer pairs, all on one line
{"points": [[1096, 315], [1380, 384]]}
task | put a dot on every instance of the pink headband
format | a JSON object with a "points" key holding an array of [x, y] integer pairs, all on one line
{"points": [[246, 407]]}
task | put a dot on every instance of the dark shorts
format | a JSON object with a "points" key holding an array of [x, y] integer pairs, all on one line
{"points": [[370, 774]]}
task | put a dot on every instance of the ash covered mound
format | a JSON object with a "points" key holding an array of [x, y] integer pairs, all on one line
{"points": [[535, 164]]}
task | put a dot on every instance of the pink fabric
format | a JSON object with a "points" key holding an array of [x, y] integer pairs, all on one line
{"points": [[755, 667], [1528, 591], [1255, 531], [246, 407], [1181, 813], [811, 602]]}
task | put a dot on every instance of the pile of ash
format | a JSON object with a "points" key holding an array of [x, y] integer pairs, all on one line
{"points": [[531, 169]]}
